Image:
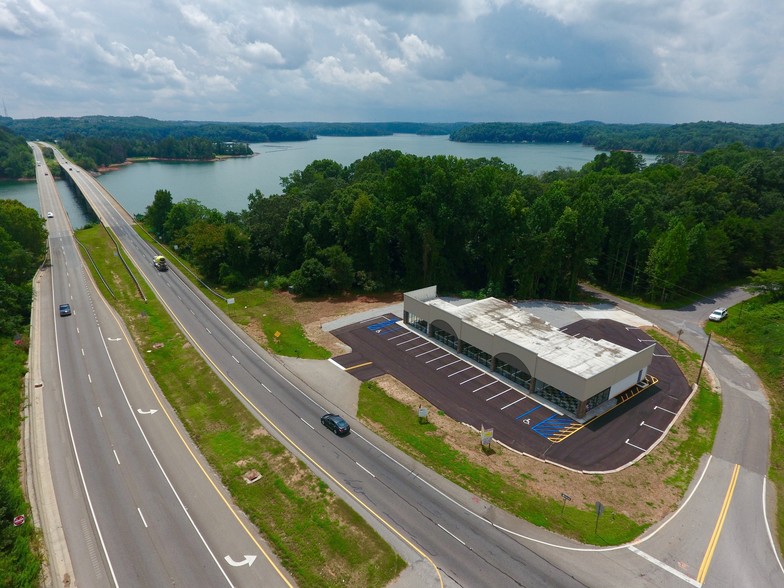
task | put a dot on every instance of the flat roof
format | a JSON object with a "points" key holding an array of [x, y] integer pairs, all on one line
{"points": [[582, 356]]}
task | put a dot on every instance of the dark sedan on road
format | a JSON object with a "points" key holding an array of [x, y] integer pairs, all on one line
{"points": [[65, 310], [336, 424]]}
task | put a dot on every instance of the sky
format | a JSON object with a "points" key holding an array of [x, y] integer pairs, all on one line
{"points": [[616, 61]]}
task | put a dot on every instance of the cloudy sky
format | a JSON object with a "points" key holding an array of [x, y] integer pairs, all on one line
{"points": [[624, 61]]}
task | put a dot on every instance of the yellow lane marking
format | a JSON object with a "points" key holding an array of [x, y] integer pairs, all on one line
{"points": [[359, 365], [302, 452], [570, 430], [706, 561]]}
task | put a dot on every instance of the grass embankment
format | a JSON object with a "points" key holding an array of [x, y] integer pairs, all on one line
{"points": [[399, 423], [20, 563], [319, 539], [754, 331]]}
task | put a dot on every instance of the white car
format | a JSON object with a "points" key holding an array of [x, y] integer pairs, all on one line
{"points": [[718, 315], [49, 214]]}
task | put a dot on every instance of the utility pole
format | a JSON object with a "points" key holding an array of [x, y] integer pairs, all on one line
{"points": [[702, 363]]}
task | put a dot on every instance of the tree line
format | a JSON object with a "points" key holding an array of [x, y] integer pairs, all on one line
{"points": [[394, 221], [648, 138], [16, 161], [22, 248], [93, 152]]}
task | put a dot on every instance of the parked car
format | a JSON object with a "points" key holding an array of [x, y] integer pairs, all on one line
{"points": [[65, 310], [336, 424], [718, 315]]}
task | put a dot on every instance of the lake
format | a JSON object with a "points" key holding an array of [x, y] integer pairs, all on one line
{"points": [[225, 185]]}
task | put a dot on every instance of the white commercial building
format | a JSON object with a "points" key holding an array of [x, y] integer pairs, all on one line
{"points": [[577, 374]]}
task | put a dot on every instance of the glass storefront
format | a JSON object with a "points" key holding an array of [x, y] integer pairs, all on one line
{"points": [[445, 337], [516, 375]]}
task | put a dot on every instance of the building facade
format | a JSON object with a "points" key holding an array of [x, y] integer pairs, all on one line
{"points": [[577, 374]]}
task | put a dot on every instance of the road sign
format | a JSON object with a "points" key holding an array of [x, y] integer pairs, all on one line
{"points": [[19, 520], [487, 436], [566, 498]]}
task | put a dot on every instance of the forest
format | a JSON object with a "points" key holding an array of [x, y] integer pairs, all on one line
{"points": [[391, 221], [16, 160], [22, 249], [648, 138]]}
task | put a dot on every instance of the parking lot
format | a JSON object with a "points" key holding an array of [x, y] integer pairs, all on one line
{"points": [[468, 393]]}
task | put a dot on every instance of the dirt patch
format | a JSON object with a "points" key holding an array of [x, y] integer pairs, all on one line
{"points": [[311, 314]]}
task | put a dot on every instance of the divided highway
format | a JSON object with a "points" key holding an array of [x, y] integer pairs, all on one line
{"points": [[449, 536], [137, 503]]}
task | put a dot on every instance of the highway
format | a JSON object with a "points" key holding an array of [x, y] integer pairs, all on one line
{"points": [[138, 505], [718, 538]]}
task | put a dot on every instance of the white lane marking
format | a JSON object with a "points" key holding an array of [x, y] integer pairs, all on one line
{"points": [[364, 468], [767, 526], [82, 351], [479, 375], [450, 533], [100, 413], [511, 403], [485, 386], [116, 456], [644, 424], [417, 346], [208, 331], [635, 446], [89, 378], [307, 423], [332, 361], [665, 567], [437, 358], [142, 516], [497, 395], [664, 409], [459, 371], [447, 365], [235, 359]]}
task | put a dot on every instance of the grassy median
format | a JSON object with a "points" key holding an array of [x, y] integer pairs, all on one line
{"points": [[319, 539]]}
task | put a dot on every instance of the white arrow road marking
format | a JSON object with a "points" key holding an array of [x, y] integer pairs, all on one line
{"points": [[249, 559], [113, 339], [151, 411]]}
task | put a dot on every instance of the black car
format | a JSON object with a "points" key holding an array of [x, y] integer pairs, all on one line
{"points": [[336, 424], [65, 310]]}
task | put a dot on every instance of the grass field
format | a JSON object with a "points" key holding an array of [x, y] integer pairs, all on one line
{"points": [[319, 539]]}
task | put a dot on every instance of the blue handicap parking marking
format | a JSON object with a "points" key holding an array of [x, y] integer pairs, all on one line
{"points": [[384, 326], [525, 414], [552, 425]]}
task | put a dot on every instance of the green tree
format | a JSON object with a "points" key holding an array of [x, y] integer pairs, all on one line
{"points": [[157, 212], [668, 261], [770, 282]]}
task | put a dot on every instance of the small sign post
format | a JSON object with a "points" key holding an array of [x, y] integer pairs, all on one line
{"points": [[487, 437], [19, 520], [566, 498], [422, 414]]}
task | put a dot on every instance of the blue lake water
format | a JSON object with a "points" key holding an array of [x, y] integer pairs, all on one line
{"points": [[225, 185]]}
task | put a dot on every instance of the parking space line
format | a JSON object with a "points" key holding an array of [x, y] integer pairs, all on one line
{"points": [[408, 341], [459, 371], [497, 395], [644, 424], [447, 365], [426, 352], [525, 413], [515, 402], [479, 375], [396, 336], [485, 386], [664, 409], [439, 357], [417, 346], [635, 446]]}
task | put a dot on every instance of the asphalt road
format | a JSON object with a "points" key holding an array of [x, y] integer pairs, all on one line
{"points": [[138, 505], [718, 537]]}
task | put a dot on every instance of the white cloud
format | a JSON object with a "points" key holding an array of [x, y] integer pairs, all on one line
{"points": [[464, 58]]}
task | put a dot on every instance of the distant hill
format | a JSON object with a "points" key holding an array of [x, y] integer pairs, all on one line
{"points": [[647, 138]]}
